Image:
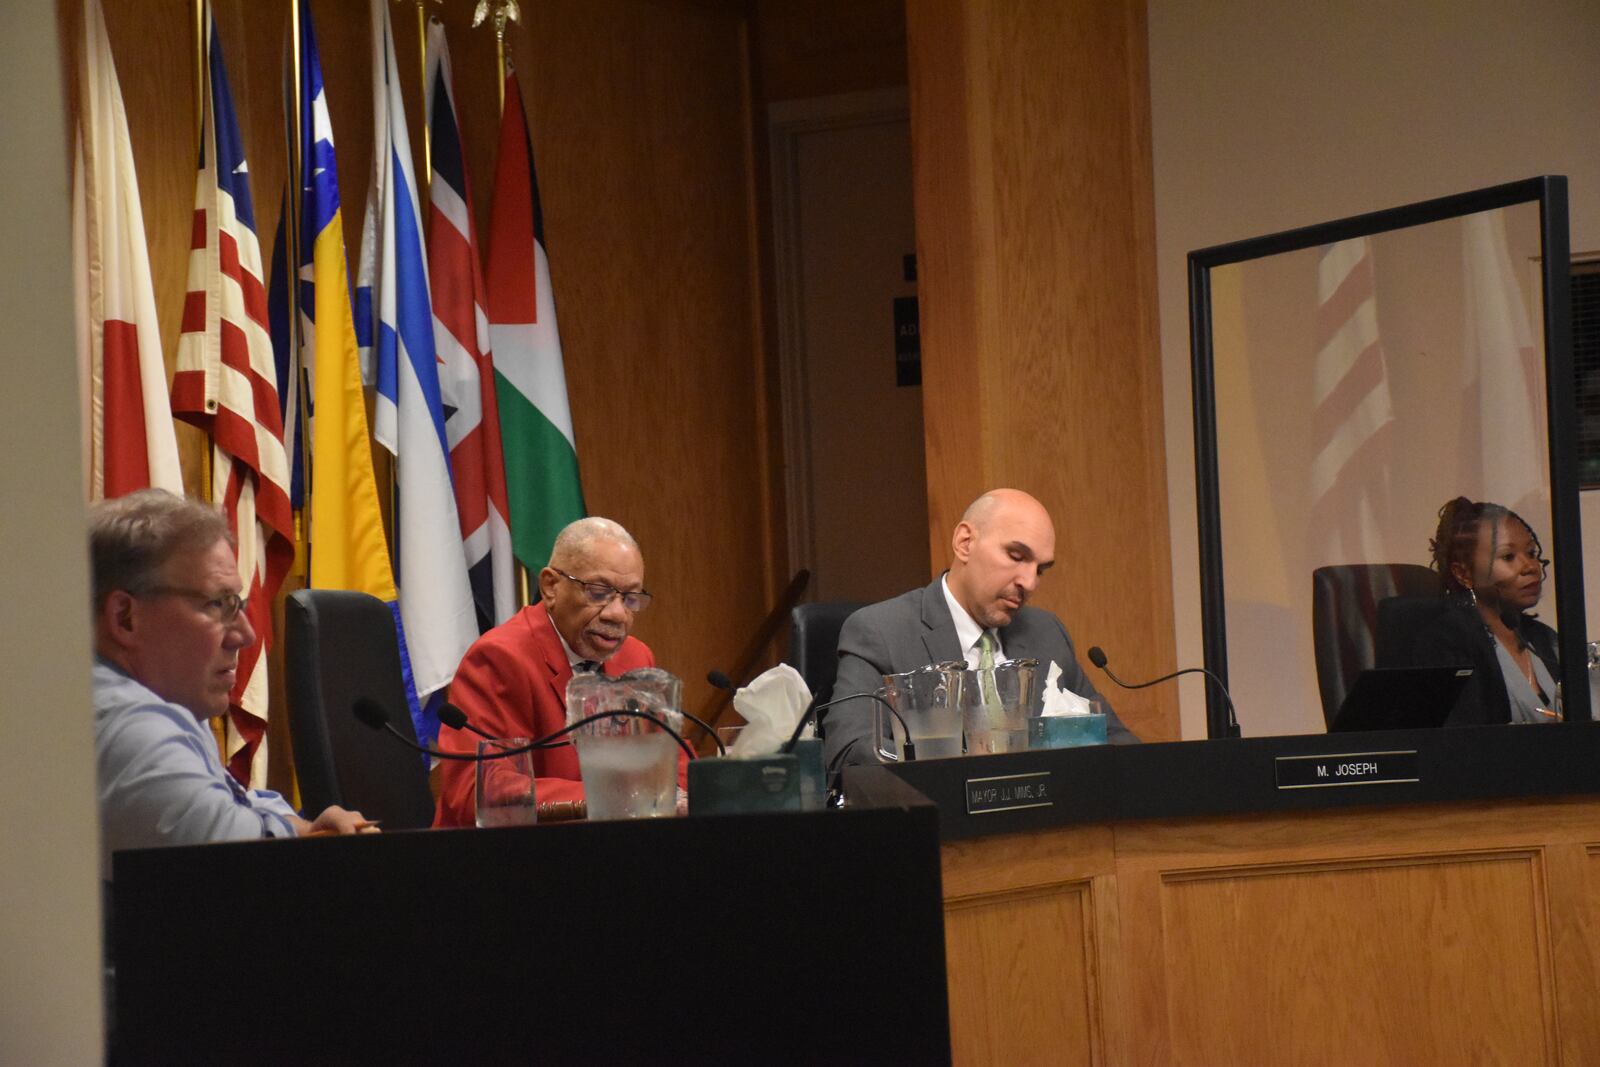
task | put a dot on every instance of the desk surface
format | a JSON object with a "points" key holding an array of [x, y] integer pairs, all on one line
{"points": [[1111, 783]]}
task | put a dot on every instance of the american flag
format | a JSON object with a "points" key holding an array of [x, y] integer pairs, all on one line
{"points": [[226, 384], [1354, 413], [466, 372]]}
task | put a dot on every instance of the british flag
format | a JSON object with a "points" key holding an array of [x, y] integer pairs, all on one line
{"points": [[466, 373], [226, 383]]}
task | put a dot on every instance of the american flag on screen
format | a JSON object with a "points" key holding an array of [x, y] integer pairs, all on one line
{"points": [[1353, 413], [226, 384]]}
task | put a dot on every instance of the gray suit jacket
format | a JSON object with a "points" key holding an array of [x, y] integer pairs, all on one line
{"points": [[914, 630]]}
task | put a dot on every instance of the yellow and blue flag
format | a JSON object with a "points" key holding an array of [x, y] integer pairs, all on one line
{"points": [[348, 546]]}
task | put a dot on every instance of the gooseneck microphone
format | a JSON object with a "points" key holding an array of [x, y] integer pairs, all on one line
{"points": [[1097, 657], [811, 712], [372, 715], [456, 719]]}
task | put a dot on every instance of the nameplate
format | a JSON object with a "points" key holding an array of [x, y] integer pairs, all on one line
{"points": [[1347, 768], [1009, 792]]}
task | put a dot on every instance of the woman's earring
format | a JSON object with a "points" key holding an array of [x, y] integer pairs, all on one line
{"points": [[1472, 596]]}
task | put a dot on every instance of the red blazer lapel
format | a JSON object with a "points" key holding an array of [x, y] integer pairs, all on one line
{"points": [[557, 670]]}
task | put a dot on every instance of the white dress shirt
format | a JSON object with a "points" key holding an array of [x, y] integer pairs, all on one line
{"points": [[968, 632]]}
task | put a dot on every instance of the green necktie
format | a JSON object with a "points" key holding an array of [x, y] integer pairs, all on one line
{"points": [[991, 696]]}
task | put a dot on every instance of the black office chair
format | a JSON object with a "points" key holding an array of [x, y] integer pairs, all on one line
{"points": [[814, 643], [1400, 620], [1344, 619], [339, 647]]}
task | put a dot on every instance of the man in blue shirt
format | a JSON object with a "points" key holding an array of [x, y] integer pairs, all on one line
{"points": [[169, 624]]}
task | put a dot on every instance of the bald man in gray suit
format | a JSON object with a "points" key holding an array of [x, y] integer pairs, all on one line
{"points": [[1000, 549]]}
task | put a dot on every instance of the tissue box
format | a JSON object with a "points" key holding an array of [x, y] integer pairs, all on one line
{"points": [[1066, 731], [764, 783], [720, 785]]}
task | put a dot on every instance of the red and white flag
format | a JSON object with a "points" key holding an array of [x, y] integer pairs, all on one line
{"points": [[131, 444], [466, 371], [226, 383]]}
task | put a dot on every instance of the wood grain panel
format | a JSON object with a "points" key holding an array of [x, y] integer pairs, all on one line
{"points": [[1022, 976], [1418, 927], [1429, 960], [1029, 919], [1035, 234], [826, 47], [953, 259], [1574, 880], [988, 865]]}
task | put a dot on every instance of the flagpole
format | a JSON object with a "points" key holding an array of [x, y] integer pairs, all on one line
{"points": [[292, 232], [200, 75], [425, 180], [201, 85], [505, 11]]}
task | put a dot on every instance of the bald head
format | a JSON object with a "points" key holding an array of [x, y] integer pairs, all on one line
{"points": [[1001, 547], [1003, 502], [576, 540]]}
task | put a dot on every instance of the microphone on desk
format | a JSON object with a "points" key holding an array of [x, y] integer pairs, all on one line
{"points": [[1097, 656]]}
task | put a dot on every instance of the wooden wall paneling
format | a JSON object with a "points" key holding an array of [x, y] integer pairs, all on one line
{"points": [[1574, 887], [828, 47], [1028, 920], [1427, 935], [1022, 980], [1035, 233], [955, 259], [1357, 961], [640, 115], [765, 364]]}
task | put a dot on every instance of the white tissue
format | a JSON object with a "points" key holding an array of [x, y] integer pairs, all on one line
{"points": [[1058, 701], [771, 705]]}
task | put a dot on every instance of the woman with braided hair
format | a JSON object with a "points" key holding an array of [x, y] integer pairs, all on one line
{"points": [[1492, 568]]}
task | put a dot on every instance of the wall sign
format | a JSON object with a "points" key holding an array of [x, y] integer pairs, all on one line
{"points": [[907, 342]]}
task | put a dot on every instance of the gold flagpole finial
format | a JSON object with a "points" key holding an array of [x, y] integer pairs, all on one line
{"points": [[504, 11]]}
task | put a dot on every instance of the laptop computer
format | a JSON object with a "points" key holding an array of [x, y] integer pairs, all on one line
{"points": [[1400, 698]]}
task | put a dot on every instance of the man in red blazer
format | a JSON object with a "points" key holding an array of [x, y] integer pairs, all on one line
{"points": [[513, 681]]}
